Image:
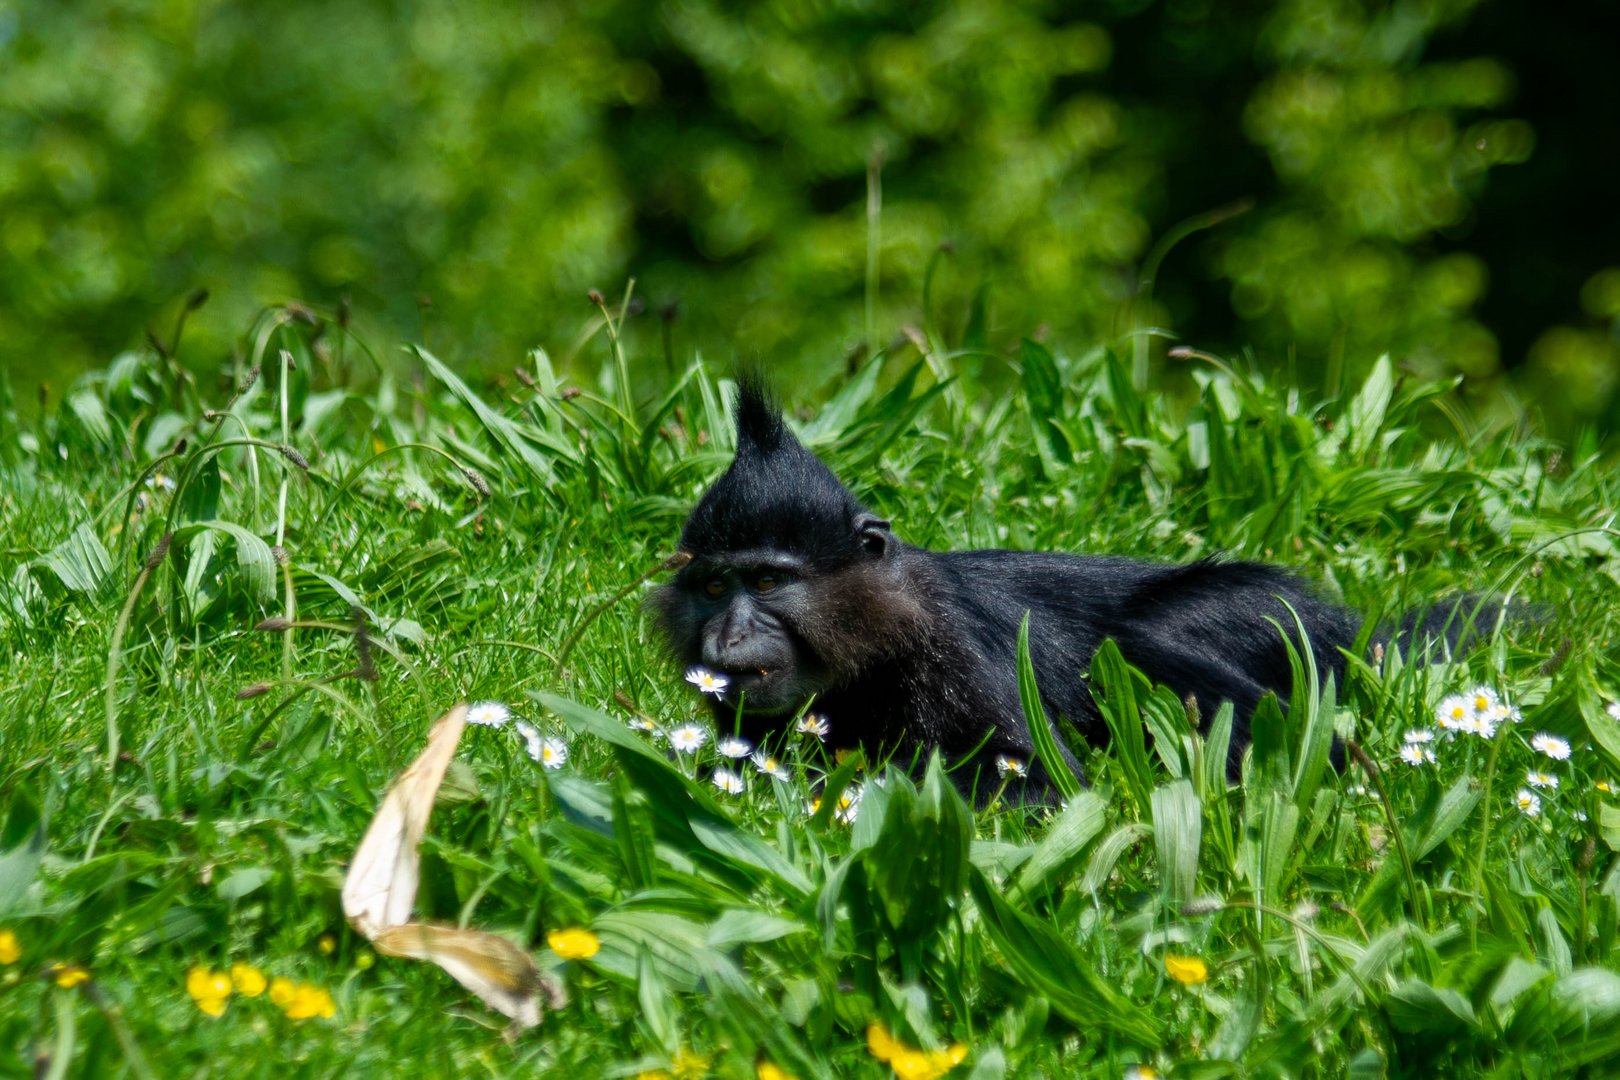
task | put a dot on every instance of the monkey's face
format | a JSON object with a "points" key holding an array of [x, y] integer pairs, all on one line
{"points": [[793, 588], [739, 614]]}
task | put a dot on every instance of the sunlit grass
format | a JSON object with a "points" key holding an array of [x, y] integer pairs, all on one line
{"points": [[218, 658]]}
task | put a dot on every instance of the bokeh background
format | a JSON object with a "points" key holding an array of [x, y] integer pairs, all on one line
{"points": [[1430, 178]]}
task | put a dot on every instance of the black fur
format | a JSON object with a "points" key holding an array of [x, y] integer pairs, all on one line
{"points": [[907, 650]]}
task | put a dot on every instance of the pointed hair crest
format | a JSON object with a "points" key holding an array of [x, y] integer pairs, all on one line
{"points": [[776, 494], [759, 416]]}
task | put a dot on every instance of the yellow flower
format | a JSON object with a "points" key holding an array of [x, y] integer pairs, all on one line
{"points": [[1187, 970], [308, 1001], [67, 976], [880, 1044], [574, 943], [282, 991], [653, 1074], [768, 1070], [687, 1065], [908, 1063], [911, 1064], [211, 990], [10, 950], [327, 944], [247, 980]]}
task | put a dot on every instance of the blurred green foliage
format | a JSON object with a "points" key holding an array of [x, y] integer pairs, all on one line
{"points": [[465, 172]]}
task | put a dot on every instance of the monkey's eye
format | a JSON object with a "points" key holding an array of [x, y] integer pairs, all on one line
{"points": [[715, 587], [766, 582]]}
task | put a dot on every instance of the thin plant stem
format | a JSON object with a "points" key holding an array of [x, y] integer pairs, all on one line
{"points": [[1397, 836], [874, 241], [115, 652]]}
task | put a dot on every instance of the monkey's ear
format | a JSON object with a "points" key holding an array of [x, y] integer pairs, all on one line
{"points": [[875, 535]]}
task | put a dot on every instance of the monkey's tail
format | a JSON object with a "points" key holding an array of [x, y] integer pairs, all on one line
{"points": [[1456, 624]]}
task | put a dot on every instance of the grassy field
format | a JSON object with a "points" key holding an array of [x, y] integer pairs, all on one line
{"points": [[182, 788]]}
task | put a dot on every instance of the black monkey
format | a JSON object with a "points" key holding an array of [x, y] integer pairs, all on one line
{"points": [[795, 590]]}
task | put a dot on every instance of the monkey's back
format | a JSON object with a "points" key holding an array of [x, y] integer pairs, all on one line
{"points": [[1210, 629]]}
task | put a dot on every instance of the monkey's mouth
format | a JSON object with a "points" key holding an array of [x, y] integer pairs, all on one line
{"points": [[760, 689]]}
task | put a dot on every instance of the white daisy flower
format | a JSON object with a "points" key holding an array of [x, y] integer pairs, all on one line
{"points": [[733, 747], [727, 781], [849, 805], [553, 753], [710, 682], [1419, 735], [1541, 779], [687, 738], [1139, 1072], [814, 724], [645, 725], [489, 714], [1412, 754], [1482, 699], [1613, 709], [1528, 802], [1480, 724], [771, 767], [530, 737], [1551, 745], [1453, 711], [1011, 766], [1503, 713]]}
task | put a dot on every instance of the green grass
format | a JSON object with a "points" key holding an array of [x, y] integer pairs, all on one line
{"points": [[181, 788]]}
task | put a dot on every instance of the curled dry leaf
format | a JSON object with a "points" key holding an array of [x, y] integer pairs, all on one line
{"points": [[380, 891]]}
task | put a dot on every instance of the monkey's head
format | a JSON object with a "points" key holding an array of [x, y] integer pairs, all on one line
{"points": [[791, 582]]}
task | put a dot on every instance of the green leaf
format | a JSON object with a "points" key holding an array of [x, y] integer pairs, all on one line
{"points": [[517, 439], [1271, 820], [1418, 1007], [1177, 831], [1114, 686], [657, 1010], [682, 810], [1043, 391], [20, 865], [1051, 967], [724, 838], [240, 883], [633, 829], [1107, 854], [832, 790], [1062, 849], [835, 417], [253, 556], [747, 926], [1366, 414], [199, 499], [1047, 752], [1166, 718], [80, 562], [88, 409]]}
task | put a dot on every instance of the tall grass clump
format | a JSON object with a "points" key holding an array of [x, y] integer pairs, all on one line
{"points": [[231, 605]]}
